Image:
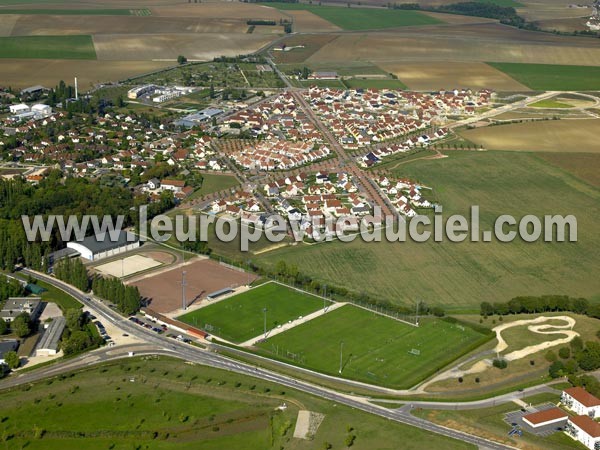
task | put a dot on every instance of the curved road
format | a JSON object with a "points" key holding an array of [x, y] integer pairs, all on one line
{"points": [[157, 344]]}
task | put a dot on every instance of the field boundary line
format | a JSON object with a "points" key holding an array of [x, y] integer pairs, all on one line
{"points": [[288, 326]]}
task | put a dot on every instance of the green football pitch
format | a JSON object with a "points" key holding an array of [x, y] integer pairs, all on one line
{"points": [[241, 317], [373, 348]]}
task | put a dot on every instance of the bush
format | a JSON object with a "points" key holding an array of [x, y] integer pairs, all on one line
{"points": [[564, 352], [500, 363], [550, 356], [556, 369]]}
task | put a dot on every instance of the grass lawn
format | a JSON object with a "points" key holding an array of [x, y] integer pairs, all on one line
{"points": [[376, 348], [55, 295], [374, 83], [214, 183], [48, 47], [549, 77], [550, 103], [456, 275], [166, 404], [241, 317], [489, 423], [361, 18], [68, 12]]}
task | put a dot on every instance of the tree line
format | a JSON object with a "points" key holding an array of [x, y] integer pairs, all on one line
{"points": [[127, 298], [544, 303]]}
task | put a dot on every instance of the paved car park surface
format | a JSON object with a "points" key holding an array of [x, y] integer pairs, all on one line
{"points": [[514, 418]]}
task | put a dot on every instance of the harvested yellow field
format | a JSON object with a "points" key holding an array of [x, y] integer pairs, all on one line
{"points": [[7, 23], [20, 73], [551, 9], [567, 135], [307, 22], [484, 42], [95, 25], [217, 10], [449, 75], [198, 46], [456, 19]]}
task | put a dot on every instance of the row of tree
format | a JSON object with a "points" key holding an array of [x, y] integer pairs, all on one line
{"points": [[544, 303], [127, 298], [73, 272]]}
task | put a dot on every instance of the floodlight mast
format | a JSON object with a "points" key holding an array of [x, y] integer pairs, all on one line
{"points": [[341, 355], [265, 321]]}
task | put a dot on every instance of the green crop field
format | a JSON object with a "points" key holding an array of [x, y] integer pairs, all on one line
{"points": [[361, 18], [375, 348], [374, 83], [163, 404], [460, 275], [48, 47], [549, 103], [241, 317], [68, 12], [549, 77]]}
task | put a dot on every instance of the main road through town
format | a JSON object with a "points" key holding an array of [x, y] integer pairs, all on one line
{"points": [[154, 344]]}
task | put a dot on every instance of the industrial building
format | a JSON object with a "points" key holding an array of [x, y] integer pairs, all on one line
{"points": [[192, 120], [48, 344], [15, 306], [101, 246], [137, 92]]}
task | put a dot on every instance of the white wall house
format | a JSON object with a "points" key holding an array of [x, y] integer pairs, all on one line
{"points": [[585, 430], [581, 402]]}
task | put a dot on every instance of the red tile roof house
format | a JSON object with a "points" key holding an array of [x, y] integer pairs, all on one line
{"points": [[584, 430], [581, 402], [545, 417]]}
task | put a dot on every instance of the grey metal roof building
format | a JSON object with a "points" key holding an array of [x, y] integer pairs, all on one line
{"points": [[102, 245], [48, 344]]}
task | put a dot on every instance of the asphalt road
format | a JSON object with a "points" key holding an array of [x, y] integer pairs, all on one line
{"points": [[160, 344]]}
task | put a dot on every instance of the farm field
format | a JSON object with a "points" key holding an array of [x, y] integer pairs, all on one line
{"points": [[457, 275], [49, 47], [582, 165], [456, 43], [446, 74], [67, 12], [48, 72], [376, 349], [241, 317], [189, 406], [304, 45], [563, 136], [361, 18], [197, 46], [373, 83], [547, 77]]}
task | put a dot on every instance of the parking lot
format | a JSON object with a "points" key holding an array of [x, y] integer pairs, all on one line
{"points": [[516, 418]]}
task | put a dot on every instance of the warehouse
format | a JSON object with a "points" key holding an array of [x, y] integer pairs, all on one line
{"points": [[48, 344], [101, 246]]}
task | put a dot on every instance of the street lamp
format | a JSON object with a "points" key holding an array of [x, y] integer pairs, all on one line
{"points": [[341, 355], [265, 321]]}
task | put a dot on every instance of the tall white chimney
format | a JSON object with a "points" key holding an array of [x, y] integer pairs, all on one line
{"points": [[76, 93]]}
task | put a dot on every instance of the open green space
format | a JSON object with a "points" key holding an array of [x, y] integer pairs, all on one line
{"points": [[549, 103], [361, 18], [489, 423], [162, 403], [241, 317], [68, 12], [551, 77], [48, 47], [376, 349], [462, 275], [373, 83], [61, 298], [215, 183]]}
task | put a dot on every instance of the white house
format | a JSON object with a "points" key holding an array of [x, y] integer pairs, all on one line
{"points": [[578, 400], [172, 185], [18, 109], [585, 430]]}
